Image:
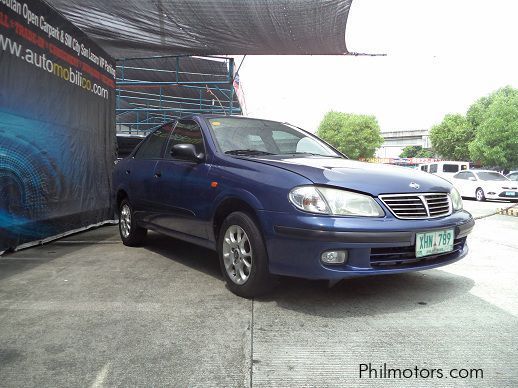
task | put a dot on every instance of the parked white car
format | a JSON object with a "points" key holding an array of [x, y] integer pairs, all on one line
{"points": [[444, 169], [485, 184]]}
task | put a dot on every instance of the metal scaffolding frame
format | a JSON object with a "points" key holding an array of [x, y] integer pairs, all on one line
{"points": [[151, 91]]}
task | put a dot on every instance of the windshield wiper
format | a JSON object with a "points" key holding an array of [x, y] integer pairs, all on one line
{"points": [[313, 154], [248, 152]]}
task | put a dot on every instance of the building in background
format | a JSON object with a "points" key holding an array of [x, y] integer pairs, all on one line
{"points": [[395, 141]]}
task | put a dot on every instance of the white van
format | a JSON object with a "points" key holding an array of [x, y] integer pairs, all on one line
{"points": [[444, 169]]}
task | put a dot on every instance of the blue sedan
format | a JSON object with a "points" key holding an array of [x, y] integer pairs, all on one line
{"points": [[273, 199]]}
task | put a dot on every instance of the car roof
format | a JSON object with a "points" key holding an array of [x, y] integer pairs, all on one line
{"points": [[476, 170], [221, 116], [444, 161], [451, 161]]}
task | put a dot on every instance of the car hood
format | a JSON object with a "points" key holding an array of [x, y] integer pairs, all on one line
{"points": [[499, 184], [371, 178]]}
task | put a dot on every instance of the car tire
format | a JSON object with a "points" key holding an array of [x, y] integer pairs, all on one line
{"points": [[131, 234], [479, 195], [243, 257]]}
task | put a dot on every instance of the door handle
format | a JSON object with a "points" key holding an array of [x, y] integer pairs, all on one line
{"points": [[158, 174], [128, 172]]}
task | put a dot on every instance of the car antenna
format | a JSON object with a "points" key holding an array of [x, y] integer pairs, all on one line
{"points": [[216, 97]]}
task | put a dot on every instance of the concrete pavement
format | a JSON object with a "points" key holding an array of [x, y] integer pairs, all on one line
{"points": [[87, 311]]}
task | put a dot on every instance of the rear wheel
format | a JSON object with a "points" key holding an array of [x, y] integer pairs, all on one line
{"points": [[479, 194], [131, 234], [242, 256]]}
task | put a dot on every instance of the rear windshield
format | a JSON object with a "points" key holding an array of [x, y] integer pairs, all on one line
{"points": [[491, 176], [450, 168]]}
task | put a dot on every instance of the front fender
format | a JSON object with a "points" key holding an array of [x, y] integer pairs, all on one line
{"points": [[240, 194]]}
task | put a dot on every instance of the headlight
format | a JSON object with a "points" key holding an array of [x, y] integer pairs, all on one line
{"points": [[325, 200], [456, 199]]}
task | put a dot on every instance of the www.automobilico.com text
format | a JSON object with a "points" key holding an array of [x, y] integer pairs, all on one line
{"points": [[50, 49]]}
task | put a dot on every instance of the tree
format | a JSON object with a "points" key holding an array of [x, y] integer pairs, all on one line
{"points": [[496, 141], [416, 152], [425, 153], [357, 136], [451, 138], [410, 151], [478, 109]]}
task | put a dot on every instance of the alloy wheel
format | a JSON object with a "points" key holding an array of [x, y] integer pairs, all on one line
{"points": [[125, 220], [480, 195], [237, 254]]}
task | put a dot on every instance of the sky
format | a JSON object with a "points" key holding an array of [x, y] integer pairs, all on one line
{"points": [[441, 56]]}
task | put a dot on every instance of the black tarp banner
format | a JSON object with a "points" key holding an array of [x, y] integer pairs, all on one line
{"points": [[137, 28], [57, 125]]}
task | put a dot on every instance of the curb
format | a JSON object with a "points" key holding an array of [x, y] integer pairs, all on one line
{"points": [[513, 212], [509, 210]]}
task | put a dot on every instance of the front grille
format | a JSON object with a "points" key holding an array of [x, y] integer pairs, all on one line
{"points": [[418, 206], [400, 257]]}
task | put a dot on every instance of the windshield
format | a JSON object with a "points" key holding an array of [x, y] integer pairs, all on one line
{"points": [[491, 176], [252, 137]]}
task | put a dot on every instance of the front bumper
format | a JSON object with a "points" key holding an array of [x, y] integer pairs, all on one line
{"points": [[375, 246], [502, 194]]}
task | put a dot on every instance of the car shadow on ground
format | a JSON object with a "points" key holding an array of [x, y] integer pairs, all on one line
{"points": [[368, 295], [190, 255]]}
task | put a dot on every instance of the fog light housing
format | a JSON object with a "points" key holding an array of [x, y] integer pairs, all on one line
{"points": [[334, 257]]}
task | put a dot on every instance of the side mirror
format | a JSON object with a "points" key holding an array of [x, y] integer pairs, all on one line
{"points": [[187, 152]]}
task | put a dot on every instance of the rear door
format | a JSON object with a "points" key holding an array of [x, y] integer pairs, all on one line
{"points": [[185, 189], [143, 174]]}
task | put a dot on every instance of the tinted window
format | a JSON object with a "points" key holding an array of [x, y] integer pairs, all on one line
{"points": [[491, 176], [126, 145], [450, 168], [186, 132], [470, 175], [433, 168], [152, 147], [513, 177], [424, 168]]}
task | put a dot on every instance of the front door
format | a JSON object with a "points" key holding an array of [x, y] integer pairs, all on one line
{"points": [[185, 189]]}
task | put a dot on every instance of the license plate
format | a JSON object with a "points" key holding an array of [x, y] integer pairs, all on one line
{"points": [[432, 243], [510, 193]]}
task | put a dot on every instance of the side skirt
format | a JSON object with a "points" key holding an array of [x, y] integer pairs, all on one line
{"points": [[181, 236]]}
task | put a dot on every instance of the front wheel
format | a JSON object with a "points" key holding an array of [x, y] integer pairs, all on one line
{"points": [[131, 234], [479, 194], [242, 256]]}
